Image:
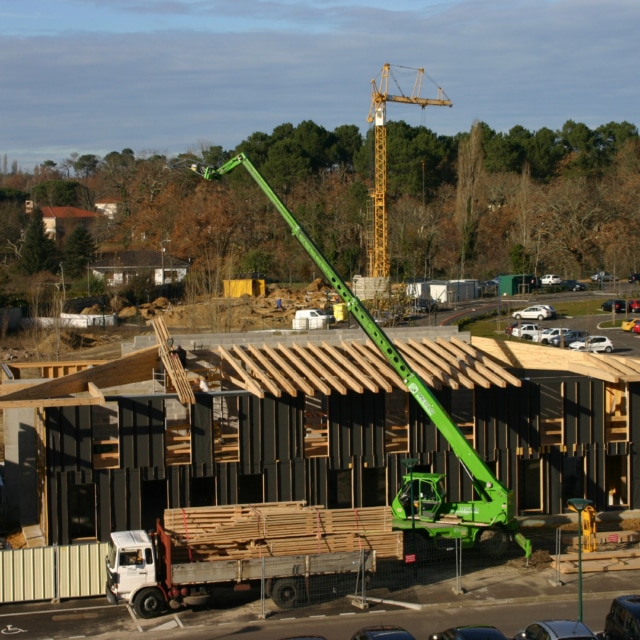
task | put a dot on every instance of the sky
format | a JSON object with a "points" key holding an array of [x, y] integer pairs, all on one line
{"points": [[170, 76]]}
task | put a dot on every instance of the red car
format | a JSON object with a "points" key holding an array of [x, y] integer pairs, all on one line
{"points": [[634, 306], [635, 328]]}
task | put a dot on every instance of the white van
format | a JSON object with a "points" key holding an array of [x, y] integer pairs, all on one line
{"points": [[312, 319]]}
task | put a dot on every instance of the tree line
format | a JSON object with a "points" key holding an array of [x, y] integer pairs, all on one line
{"points": [[471, 205]]}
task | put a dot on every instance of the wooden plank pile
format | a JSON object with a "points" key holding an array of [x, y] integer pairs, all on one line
{"points": [[598, 561], [278, 529]]}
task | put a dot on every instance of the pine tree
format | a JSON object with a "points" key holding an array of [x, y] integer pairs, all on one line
{"points": [[38, 251], [78, 251]]}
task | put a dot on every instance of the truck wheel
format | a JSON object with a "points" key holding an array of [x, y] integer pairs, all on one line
{"points": [[493, 542], [149, 603], [287, 593]]}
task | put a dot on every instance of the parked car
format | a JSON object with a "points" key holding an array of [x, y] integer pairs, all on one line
{"points": [[510, 327], [384, 632], [623, 620], [603, 276], [546, 334], [634, 277], [550, 279], [574, 285], [532, 313], [551, 308], [480, 632], [567, 338], [629, 324], [526, 330], [620, 306], [634, 306], [635, 328], [556, 630], [593, 344]]}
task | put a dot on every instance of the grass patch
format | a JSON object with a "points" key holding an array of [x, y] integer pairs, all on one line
{"points": [[493, 325]]}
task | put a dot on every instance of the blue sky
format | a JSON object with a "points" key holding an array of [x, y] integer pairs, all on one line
{"points": [[167, 76]]}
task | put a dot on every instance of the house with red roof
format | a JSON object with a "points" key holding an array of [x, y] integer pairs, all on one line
{"points": [[60, 221]]}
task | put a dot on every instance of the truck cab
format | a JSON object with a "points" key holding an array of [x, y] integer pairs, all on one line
{"points": [[131, 565]]}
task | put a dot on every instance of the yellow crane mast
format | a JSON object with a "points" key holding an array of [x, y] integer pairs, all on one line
{"points": [[379, 263]]}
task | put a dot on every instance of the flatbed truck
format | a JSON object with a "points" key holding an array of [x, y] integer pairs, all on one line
{"points": [[142, 572]]}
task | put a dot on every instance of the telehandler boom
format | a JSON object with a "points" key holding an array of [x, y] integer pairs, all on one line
{"points": [[421, 503]]}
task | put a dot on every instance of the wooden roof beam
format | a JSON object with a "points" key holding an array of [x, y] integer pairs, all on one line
{"points": [[338, 369], [363, 376], [359, 354], [417, 364], [440, 358], [248, 381], [134, 367], [316, 381], [383, 366], [469, 360], [320, 370], [255, 371], [272, 371], [304, 386]]}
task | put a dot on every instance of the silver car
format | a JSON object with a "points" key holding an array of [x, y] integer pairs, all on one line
{"points": [[556, 630]]}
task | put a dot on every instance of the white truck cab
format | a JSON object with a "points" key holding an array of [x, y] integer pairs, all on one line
{"points": [[131, 565]]}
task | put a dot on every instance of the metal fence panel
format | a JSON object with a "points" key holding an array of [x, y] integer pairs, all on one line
{"points": [[51, 573], [81, 570], [27, 574]]}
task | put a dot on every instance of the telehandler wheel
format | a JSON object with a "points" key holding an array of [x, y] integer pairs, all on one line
{"points": [[493, 542], [149, 603], [287, 592]]}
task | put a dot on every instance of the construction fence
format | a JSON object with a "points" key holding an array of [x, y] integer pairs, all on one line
{"points": [[78, 571]]}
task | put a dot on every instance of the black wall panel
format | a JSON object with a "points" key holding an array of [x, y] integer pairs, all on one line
{"points": [[202, 436], [134, 515], [227, 483], [315, 488], [554, 483], [634, 437], [271, 482], [250, 424], [518, 408], [586, 408], [105, 506], [270, 431], [63, 507], [571, 414], [119, 499], [141, 423]]}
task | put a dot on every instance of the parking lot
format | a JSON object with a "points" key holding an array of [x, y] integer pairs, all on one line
{"points": [[599, 323]]}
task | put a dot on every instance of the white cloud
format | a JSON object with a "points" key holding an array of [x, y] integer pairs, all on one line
{"points": [[533, 63]]}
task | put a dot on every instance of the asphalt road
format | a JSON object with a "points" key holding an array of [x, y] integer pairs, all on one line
{"points": [[90, 619]]}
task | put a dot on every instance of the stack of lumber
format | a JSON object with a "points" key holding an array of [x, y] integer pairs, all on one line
{"points": [[278, 529]]}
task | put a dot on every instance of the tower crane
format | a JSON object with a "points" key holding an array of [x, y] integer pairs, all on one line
{"points": [[379, 263]]}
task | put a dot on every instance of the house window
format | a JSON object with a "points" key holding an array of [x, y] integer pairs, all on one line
{"points": [[316, 426], [374, 487], [226, 428], [105, 440], [463, 414], [530, 485], [177, 434], [573, 479], [616, 481], [82, 512], [551, 418], [615, 420], [396, 422], [339, 494], [250, 489]]}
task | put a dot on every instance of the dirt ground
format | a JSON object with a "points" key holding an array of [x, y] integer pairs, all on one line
{"points": [[274, 310]]}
